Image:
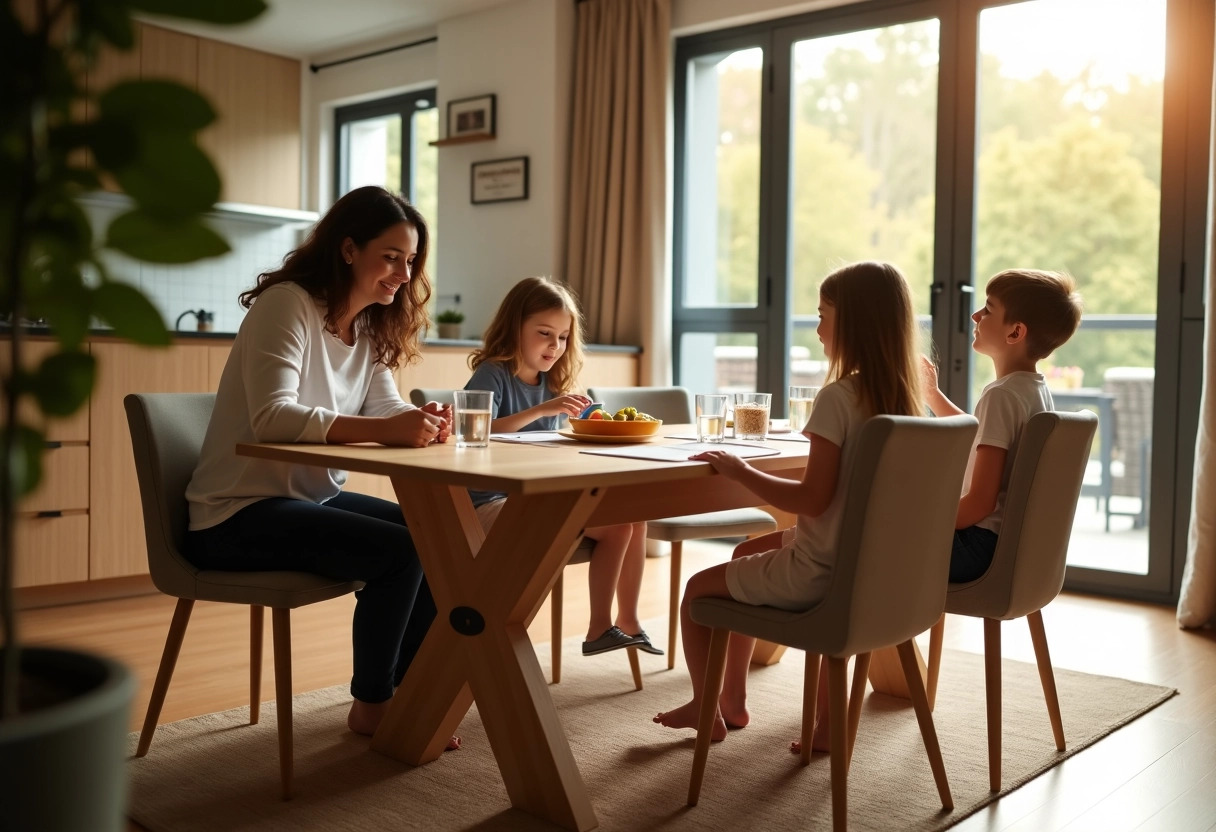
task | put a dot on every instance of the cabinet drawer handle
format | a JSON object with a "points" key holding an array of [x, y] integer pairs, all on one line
{"points": [[50, 513], [52, 444]]}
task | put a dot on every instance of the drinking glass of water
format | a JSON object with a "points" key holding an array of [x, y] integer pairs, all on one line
{"points": [[711, 417], [801, 401], [473, 409]]}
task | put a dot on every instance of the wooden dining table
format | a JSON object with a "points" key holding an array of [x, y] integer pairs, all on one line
{"points": [[488, 587]]}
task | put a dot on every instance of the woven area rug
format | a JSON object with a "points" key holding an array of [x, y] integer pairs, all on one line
{"points": [[216, 772]]}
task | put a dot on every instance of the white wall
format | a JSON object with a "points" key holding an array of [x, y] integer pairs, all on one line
{"points": [[521, 52]]}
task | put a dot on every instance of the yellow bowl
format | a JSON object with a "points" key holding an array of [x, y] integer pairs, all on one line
{"points": [[606, 427]]}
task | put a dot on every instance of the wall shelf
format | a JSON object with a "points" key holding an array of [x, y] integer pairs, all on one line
{"points": [[481, 137]]}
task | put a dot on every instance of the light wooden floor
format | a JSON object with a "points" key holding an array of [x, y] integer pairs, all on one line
{"points": [[1159, 773]]}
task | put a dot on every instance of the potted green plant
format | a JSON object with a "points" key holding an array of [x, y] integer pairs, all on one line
{"points": [[449, 321], [63, 715]]}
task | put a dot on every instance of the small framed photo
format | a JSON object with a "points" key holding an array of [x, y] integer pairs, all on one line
{"points": [[471, 117], [500, 180]]}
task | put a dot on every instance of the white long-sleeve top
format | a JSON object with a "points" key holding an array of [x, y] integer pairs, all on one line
{"points": [[287, 379]]}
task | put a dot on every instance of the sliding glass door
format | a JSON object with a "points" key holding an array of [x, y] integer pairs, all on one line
{"points": [[956, 139]]}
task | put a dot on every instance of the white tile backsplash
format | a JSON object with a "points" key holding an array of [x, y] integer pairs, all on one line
{"points": [[213, 284]]}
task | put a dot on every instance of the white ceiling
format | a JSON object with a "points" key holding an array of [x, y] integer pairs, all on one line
{"points": [[312, 28]]}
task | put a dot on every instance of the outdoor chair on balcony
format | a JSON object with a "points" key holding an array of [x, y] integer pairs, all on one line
{"points": [[1132, 388]]}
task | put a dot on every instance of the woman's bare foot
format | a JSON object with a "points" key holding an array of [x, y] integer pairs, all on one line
{"points": [[686, 716], [364, 718]]}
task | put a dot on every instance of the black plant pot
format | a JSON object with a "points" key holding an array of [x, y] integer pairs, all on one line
{"points": [[63, 757]]}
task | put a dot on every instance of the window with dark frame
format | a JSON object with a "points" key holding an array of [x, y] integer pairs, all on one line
{"points": [[387, 142]]}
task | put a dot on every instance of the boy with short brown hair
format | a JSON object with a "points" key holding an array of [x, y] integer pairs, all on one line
{"points": [[1027, 315]]}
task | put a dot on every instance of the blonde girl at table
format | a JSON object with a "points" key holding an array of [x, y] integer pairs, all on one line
{"points": [[532, 355], [313, 362], [868, 330]]}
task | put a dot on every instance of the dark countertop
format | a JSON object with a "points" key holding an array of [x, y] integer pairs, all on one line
{"points": [[191, 335]]}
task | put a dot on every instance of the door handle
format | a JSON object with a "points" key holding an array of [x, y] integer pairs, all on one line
{"points": [[965, 292], [935, 291]]}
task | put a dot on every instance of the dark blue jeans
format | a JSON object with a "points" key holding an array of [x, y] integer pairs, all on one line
{"points": [[972, 553], [352, 537]]}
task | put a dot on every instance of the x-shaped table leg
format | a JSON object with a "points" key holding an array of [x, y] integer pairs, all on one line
{"points": [[487, 589]]}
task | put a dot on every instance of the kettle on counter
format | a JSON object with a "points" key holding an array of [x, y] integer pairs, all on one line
{"points": [[202, 318]]}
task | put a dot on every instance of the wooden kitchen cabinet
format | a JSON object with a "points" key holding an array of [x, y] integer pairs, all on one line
{"points": [[168, 55], [255, 142], [116, 533]]}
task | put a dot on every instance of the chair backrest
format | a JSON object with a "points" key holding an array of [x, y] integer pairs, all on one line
{"points": [[1027, 569], [1132, 407], [421, 395], [893, 555], [167, 431], [667, 404]]}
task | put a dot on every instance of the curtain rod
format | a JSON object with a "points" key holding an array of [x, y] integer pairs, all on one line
{"points": [[319, 67]]}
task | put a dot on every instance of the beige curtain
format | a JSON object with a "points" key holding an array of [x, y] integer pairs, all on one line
{"points": [[616, 227], [1197, 604]]}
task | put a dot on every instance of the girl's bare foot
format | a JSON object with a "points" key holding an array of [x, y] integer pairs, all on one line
{"points": [[734, 711], [686, 716], [820, 739], [364, 718]]}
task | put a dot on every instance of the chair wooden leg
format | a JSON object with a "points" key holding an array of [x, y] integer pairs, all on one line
{"points": [[838, 706], [673, 607], [1038, 637], [555, 627], [920, 703], [281, 624], [715, 670], [810, 704], [992, 692], [634, 667], [936, 634], [861, 671], [257, 618], [164, 674]]}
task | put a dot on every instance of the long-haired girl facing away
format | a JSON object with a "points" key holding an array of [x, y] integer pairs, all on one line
{"points": [[868, 330], [532, 355]]}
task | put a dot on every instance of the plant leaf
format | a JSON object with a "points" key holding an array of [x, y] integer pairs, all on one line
{"points": [[130, 313], [164, 105], [208, 11], [157, 240], [25, 468], [63, 382], [171, 178]]}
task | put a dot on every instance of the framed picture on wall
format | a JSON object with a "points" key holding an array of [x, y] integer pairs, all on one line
{"points": [[471, 117], [500, 180]]}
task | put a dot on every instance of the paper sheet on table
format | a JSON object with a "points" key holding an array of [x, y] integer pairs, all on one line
{"points": [[681, 453], [533, 437], [779, 437]]}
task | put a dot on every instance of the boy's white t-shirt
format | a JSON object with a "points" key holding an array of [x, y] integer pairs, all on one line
{"points": [[1003, 409], [287, 379]]}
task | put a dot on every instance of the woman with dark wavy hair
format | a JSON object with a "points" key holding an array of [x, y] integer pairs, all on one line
{"points": [[313, 362]]}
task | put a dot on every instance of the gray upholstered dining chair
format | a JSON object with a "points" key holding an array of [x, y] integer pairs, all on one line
{"points": [[1027, 570], [582, 554], [888, 584], [421, 395], [674, 405], [167, 431]]}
